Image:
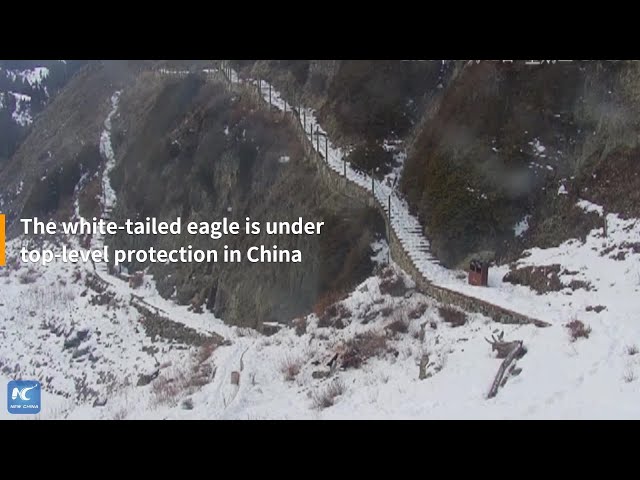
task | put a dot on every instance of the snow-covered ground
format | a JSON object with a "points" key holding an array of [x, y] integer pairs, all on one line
{"points": [[595, 377], [82, 338], [86, 341]]}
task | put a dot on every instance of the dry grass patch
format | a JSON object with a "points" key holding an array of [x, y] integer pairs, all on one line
{"points": [[291, 367], [362, 347], [453, 317], [578, 329], [327, 397]]}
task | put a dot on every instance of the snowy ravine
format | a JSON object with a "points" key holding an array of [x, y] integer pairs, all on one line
{"points": [[106, 150]]}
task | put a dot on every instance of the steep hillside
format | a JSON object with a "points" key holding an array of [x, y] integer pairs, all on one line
{"points": [[238, 162], [488, 145], [506, 138], [534, 167], [62, 146], [26, 87]]}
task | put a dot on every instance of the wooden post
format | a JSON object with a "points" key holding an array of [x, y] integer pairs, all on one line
{"points": [[604, 224], [326, 147], [424, 363], [318, 141], [269, 96], [373, 185], [304, 120], [389, 233]]}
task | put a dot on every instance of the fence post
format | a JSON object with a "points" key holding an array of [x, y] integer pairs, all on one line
{"points": [[344, 165], [373, 185], [389, 234], [326, 147], [304, 120], [269, 97], [318, 141]]}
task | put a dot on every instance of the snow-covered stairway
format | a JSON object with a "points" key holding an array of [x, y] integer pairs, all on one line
{"points": [[406, 227], [409, 247]]}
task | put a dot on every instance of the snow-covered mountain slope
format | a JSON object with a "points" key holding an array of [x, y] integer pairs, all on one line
{"points": [[17, 86], [557, 307], [86, 338], [26, 87], [89, 348], [105, 350]]}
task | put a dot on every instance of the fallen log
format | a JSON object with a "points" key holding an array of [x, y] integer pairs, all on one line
{"points": [[516, 352]]}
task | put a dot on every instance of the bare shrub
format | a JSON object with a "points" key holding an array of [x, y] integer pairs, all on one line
{"points": [[334, 315], [400, 322], [363, 347], [54, 296], [120, 414], [166, 389], [629, 376], [77, 275], [30, 276], [453, 317], [324, 301], [327, 398], [245, 332], [418, 311], [14, 264], [183, 380], [300, 325], [290, 368], [205, 352], [136, 280], [391, 283], [632, 350], [578, 329]]}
